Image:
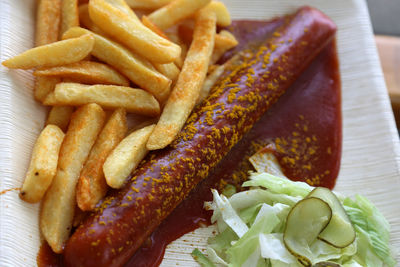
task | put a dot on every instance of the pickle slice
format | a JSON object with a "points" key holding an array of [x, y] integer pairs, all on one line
{"points": [[339, 232], [326, 264], [305, 221]]}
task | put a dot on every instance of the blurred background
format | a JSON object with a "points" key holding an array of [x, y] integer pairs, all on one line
{"points": [[385, 16]]}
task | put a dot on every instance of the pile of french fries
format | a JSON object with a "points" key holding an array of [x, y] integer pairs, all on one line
{"points": [[94, 62]]}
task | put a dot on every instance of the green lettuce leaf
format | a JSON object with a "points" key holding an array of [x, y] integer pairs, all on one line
{"points": [[251, 225], [372, 228]]}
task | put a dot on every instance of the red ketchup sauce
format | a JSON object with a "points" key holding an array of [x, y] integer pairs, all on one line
{"points": [[304, 126]]}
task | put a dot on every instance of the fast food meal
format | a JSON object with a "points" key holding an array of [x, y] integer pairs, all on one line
{"points": [[211, 95]]}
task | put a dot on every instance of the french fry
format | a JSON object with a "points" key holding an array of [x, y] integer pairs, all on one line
{"points": [[134, 67], [209, 82], [123, 6], [223, 43], [92, 185], [58, 205], [47, 29], [126, 157], [47, 21], [43, 166], [146, 22], [179, 61], [54, 54], [84, 18], [109, 96], [222, 12], [222, 39], [175, 12], [132, 33], [60, 116], [174, 37], [43, 86], [86, 21], [69, 15], [85, 72], [225, 39], [51, 100], [187, 89], [147, 4], [170, 70]]}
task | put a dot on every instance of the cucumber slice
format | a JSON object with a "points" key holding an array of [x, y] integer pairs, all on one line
{"points": [[305, 221], [340, 232]]}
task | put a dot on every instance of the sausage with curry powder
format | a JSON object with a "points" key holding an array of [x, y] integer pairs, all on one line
{"points": [[252, 81]]}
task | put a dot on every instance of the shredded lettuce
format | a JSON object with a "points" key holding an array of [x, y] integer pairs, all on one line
{"points": [[239, 252], [229, 215], [201, 258], [279, 185], [371, 226], [251, 225], [272, 248]]}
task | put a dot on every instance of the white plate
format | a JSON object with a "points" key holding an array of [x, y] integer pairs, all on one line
{"points": [[371, 151]]}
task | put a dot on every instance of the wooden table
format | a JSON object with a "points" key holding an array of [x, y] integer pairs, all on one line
{"points": [[389, 52]]}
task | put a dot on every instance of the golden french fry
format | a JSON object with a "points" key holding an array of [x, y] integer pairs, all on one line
{"points": [[222, 12], [43, 166], [222, 39], [109, 96], [225, 41], [209, 82], [211, 68], [265, 160], [170, 70], [147, 4], [54, 54], [132, 33], [179, 61], [60, 116], [85, 72], [43, 86], [69, 15], [174, 37], [217, 54], [84, 18], [134, 67], [175, 12], [187, 89], [86, 21], [123, 6], [58, 205], [92, 186], [47, 30], [47, 21], [146, 22], [51, 100], [126, 157]]}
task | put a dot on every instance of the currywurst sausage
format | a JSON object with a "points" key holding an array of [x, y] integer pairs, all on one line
{"points": [[252, 81]]}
